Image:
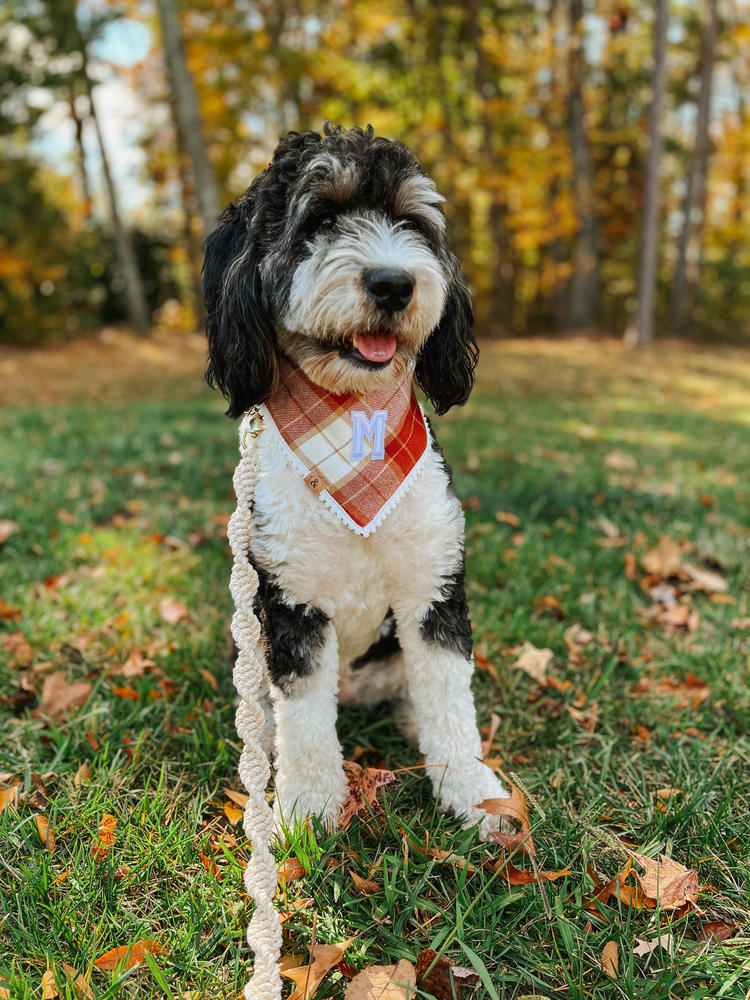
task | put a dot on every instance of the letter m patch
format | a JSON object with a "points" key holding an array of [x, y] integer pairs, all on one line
{"points": [[372, 430]]}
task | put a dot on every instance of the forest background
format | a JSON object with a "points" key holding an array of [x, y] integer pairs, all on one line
{"points": [[566, 137]]}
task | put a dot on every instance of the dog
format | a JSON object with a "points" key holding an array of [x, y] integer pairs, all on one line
{"points": [[330, 284]]}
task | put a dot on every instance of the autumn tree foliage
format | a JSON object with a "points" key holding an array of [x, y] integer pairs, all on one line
{"points": [[533, 119]]}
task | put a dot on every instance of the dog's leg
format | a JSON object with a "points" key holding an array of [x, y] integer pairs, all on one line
{"points": [[436, 640], [310, 778]]}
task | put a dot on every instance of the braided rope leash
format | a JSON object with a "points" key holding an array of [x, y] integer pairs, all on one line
{"points": [[264, 930]]}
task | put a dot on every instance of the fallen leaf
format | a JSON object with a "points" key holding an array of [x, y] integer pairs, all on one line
{"points": [[127, 955], [504, 517], [717, 930], [8, 797], [443, 980], [307, 978], [534, 662], [704, 579], [82, 775], [576, 639], [364, 886], [665, 560], [611, 959], [383, 982], [362, 797], [80, 982], [211, 867], [620, 461], [136, 665], [126, 693], [239, 798], [44, 830], [173, 612], [107, 827], [740, 623], [491, 732], [290, 869], [209, 678], [8, 611], [232, 812], [518, 876], [665, 941], [513, 807], [59, 697], [667, 882], [8, 528], [21, 653], [687, 693], [49, 986]]}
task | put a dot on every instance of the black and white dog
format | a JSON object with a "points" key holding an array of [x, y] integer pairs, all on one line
{"points": [[336, 259]]}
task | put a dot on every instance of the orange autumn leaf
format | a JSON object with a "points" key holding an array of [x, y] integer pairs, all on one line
{"points": [[364, 886], [127, 693], [512, 807], [290, 869], [232, 812], [8, 797], [127, 955], [667, 882], [518, 876], [611, 959], [44, 829], [107, 830]]}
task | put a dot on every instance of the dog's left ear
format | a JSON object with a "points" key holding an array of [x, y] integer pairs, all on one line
{"points": [[446, 363], [241, 339]]}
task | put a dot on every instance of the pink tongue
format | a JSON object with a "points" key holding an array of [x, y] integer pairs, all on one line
{"points": [[376, 346]]}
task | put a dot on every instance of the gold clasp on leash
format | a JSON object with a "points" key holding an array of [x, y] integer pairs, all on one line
{"points": [[254, 426]]}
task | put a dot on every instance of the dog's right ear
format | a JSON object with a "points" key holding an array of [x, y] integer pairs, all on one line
{"points": [[241, 339]]}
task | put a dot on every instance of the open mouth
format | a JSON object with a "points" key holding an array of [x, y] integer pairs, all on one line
{"points": [[373, 350]]}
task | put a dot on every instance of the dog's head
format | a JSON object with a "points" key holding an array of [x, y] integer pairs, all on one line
{"points": [[336, 257]]}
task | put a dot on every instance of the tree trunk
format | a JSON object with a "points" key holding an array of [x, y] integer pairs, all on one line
{"points": [[186, 102], [687, 268], [503, 293], [82, 171], [643, 333], [135, 298], [583, 291]]}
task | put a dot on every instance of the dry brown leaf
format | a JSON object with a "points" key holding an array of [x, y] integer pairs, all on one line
{"points": [[173, 612], [444, 980], [534, 662], [688, 693], [704, 579], [290, 869], [209, 678], [665, 560], [136, 665], [362, 797], [7, 528], [513, 807], [505, 517], [383, 982], [21, 653], [621, 461], [665, 941], [59, 697], [82, 775], [576, 639], [127, 955], [611, 959], [45, 832], [743, 624], [617, 887], [667, 882], [49, 986], [307, 978], [518, 876], [239, 798], [364, 886], [717, 930], [80, 982]]}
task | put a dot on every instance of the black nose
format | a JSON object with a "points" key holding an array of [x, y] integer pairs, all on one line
{"points": [[390, 289]]}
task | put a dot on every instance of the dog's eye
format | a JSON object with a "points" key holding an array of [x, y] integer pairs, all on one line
{"points": [[326, 222]]}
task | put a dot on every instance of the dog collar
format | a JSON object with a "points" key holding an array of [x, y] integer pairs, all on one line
{"points": [[358, 454]]}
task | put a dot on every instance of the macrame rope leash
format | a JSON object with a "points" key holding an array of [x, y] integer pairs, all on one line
{"points": [[264, 930]]}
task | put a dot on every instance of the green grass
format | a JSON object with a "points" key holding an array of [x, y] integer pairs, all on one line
{"points": [[126, 500]]}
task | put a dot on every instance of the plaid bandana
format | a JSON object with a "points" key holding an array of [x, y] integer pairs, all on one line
{"points": [[359, 454]]}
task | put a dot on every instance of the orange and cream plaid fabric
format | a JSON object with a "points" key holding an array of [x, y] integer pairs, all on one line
{"points": [[359, 454]]}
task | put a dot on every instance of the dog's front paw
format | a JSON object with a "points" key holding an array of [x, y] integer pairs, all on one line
{"points": [[464, 787], [321, 795]]}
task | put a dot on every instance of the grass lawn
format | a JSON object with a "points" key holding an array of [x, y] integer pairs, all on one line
{"points": [[574, 458]]}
